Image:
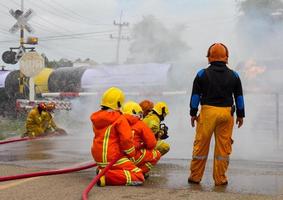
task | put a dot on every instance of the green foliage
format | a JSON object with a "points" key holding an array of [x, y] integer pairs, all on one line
{"points": [[54, 64]]}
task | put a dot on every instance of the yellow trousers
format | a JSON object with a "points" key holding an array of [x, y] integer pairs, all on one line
{"points": [[217, 120]]}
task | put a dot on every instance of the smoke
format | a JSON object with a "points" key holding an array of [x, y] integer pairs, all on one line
{"points": [[253, 42], [153, 42], [181, 39]]}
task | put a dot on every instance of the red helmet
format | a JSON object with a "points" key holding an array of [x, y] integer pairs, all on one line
{"points": [[42, 106]]}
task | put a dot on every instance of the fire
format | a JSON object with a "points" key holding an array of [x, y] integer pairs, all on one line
{"points": [[252, 70]]}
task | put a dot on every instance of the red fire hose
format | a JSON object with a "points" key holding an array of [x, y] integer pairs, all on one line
{"points": [[96, 178], [47, 173], [15, 140], [24, 139]]}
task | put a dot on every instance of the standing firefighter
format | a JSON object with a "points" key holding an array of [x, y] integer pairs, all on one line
{"points": [[215, 87], [146, 156], [113, 139], [153, 120]]}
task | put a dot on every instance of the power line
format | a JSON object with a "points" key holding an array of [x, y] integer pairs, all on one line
{"points": [[4, 6], [76, 15], [68, 36]]}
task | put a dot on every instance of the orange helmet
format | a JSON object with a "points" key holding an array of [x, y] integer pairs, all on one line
{"points": [[50, 106], [146, 106], [217, 52], [42, 106]]}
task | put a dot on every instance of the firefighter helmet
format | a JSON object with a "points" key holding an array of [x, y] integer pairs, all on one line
{"points": [[132, 108], [218, 52], [161, 108], [146, 106], [113, 98], [50, 106]]}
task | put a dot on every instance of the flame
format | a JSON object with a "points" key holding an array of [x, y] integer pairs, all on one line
{"points": [[252, 70]]}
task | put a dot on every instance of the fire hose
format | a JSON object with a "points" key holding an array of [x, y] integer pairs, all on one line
{"points": [[47, 173], [23, 139], [96, 178], [15, 140]]}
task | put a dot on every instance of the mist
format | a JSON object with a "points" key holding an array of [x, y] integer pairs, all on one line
{"points": [[247, 38], [179, 33]]}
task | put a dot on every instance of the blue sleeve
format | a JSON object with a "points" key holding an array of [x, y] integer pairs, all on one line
{"points": [[196, 93], [238, 96]]}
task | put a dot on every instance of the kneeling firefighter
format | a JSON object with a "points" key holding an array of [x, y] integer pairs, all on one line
{"points": [[113, 139], [153, 120], [34, 121], [146, 156], [214, 88]]}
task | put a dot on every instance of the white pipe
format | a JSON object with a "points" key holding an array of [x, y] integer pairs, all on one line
{"points": [[79, 94]]}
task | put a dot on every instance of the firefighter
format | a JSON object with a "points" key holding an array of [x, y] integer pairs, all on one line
{"points": [[146, 156], [214, 88], [146, 106], [48, 123], [153, 120], [113, 139], [34, 121]]}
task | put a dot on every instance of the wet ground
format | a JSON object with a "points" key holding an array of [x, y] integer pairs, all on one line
{"points": [[245, 177]]}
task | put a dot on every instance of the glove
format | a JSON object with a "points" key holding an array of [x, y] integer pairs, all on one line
{"points": [[163, 131], [164, 136]]}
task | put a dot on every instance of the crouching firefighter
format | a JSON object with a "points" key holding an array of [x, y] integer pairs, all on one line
{"points": [[113, 139], [214, 88], [153, 120], [146, 156], [34, 121]]}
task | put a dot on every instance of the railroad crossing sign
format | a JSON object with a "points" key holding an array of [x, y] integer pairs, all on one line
{"points": [[22, 19], [31, 63]]}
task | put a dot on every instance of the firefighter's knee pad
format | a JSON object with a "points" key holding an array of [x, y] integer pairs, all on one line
{"points": [[162, 147]]}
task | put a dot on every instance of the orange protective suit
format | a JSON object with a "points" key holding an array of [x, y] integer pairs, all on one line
{"points": [[144, 140], [112, 139], [220, 121]]}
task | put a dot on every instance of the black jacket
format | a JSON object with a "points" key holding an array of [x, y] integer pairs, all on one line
{"points": [[216, 86]]}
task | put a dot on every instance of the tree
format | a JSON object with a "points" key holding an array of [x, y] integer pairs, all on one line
{"points": [[59, 63], [153, 42]]}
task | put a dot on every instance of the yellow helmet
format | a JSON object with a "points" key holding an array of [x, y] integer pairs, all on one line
{"points": [[132, 108], [113, 98], [161, 108]]}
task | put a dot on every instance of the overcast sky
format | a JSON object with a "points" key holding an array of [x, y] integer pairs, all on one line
{"points": [[206, 21]]}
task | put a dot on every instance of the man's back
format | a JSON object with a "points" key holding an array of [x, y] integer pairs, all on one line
{"points": [[216, 86]]}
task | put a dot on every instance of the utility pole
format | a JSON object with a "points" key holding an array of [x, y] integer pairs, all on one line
{"points": [[119, 37], [21, 82], [22, 27]]}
